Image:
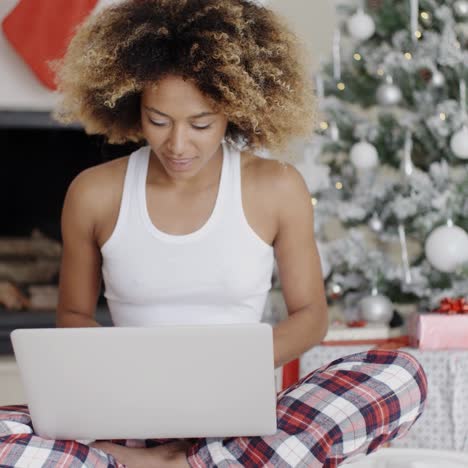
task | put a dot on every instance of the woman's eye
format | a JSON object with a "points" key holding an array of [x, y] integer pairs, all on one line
{"points": [[201, 128], [163, 124], [158, 124]]}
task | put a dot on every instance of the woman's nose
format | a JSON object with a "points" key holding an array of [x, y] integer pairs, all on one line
{"points": [[177, 140]]}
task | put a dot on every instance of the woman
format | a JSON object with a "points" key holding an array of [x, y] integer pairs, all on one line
{"points": [[185, 229]]}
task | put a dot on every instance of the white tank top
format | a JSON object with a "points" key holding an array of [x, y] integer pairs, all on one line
{"points": [[220, 273]]}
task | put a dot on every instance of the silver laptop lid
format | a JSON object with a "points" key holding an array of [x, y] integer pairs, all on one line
{"points": [[140, 383]]}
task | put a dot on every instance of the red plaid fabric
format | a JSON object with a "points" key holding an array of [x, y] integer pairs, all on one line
{"points": [[349, 407]]}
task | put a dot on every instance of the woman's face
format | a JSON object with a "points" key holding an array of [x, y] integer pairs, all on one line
{"points": [[181, 126]]}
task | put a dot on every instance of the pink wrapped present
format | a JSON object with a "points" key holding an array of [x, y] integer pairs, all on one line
{"points": [[445, 328]]}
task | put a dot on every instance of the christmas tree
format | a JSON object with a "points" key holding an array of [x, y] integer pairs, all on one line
{"points": [[388, 169]]}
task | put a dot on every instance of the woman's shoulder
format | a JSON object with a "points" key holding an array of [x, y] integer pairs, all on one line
{"points": [[97, 189], [101, 177], [276, 178]]}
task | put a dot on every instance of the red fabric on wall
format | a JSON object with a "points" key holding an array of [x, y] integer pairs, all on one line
{"points": [[40, 30]]}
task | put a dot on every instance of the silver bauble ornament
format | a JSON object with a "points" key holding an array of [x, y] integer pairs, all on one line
{"points": [[460, 7], [459, 143], [376, 308], [446, 248], [388, 94], [438, 79], [363, 155], [361, 26]]}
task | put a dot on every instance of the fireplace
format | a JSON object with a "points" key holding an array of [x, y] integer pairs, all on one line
{"points": [[38, 161]]}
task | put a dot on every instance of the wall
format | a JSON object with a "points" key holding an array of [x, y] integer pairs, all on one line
{"points": [[19, 89], [313, 21]]}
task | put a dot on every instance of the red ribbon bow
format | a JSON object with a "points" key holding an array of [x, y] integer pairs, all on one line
{"points": [[453, 306]]}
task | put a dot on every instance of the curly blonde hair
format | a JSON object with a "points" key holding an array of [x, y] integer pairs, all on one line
{"points": [[240, 55]]}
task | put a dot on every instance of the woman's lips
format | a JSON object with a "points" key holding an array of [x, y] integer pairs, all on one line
{"points": [[180, 164]]}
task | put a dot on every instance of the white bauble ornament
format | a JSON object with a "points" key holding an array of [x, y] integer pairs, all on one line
{"points": [[438, 79], [361, 26], [376, 308], [389, 94], [364, 155], [459, 143], [375, 223], [446, 248], [460, 7]]}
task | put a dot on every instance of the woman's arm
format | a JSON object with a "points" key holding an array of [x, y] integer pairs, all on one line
{"points": [[80, 271], [299, 270]]}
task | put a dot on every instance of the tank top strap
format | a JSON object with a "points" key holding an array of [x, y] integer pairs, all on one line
{"points": [[137, 164], [128, 202], [226, 182], [236, 182]]}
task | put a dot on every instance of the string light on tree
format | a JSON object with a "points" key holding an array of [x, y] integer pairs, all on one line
{"points": [[426, 18]]}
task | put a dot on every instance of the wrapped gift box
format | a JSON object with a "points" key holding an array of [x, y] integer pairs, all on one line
{"points": [[341, 331], [438, 331], [367, 333]]}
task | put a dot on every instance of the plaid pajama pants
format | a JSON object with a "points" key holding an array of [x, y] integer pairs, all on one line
{"points": [[351, 406]]}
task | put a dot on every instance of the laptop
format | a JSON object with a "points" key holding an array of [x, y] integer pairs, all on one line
{"points": [[167, 381]]}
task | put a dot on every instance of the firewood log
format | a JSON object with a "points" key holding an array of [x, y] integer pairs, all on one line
{"points": [[35, 246], [31, 271], [11, 297]]}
